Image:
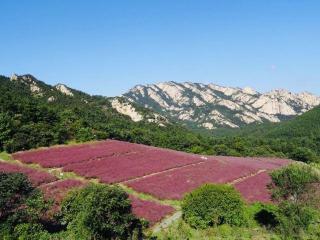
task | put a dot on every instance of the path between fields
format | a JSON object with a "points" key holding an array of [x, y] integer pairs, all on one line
{"points": [[241, 179], [165, 223], [164, 171]]}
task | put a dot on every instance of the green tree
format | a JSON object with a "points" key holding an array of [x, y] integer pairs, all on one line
{"points": [[294, 188], [21, 207], [85, 134], [15, 188], [293, 181], [5, 129], [99, 212], [303, 154], [294, 219], [212, 205]]}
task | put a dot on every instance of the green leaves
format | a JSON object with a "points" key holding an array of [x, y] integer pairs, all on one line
{"points": [[290, 183], [100, 212], [295, 187], [212, 205], [15, 188]]}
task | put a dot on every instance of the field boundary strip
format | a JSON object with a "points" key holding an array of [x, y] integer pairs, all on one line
{"points": [[241, 179], [160, 172]]}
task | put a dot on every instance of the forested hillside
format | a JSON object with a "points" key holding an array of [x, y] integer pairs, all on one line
{"points": [[298, 138], [34, 114]]}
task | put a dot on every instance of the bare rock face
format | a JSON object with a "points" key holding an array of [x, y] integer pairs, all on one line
{"points": [[126, 107], [64, 89], [29, 80], [211, 106]]}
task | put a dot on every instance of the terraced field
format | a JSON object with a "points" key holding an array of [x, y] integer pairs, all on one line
{"points": [[153, 177]]}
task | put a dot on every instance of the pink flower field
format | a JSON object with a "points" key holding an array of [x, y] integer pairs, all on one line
{"points": [[57, 190], [151, 211], [255, 188], [162, 173], [37, 177], [176, 183], [110, 161]]}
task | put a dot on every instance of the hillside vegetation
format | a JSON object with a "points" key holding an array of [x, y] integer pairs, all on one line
{"points": [[34, 114], [298, 139]]}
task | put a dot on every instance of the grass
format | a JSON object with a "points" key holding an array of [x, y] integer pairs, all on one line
{"points": [[174, 203], [5, 156], [181, 230]]}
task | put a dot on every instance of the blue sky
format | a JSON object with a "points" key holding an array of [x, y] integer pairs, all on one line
{"points": [[108, 46]]}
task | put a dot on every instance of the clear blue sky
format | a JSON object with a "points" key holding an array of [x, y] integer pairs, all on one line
{"points": [[108, 46]]}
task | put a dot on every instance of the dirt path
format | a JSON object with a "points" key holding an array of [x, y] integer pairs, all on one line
{"points": [[246, 177], [164, 171], [166, 222]]}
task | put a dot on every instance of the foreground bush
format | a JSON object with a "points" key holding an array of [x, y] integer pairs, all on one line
{"points": [[21, 208], [212, 205], [15, 188], [100, 212], [294, 182], [296, 189]]}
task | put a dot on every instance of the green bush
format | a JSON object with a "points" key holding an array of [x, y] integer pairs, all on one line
{"points": [[292, 182], [100, 212], [212, 205], [303, 154], [29, 231], [295, 219], [15, 188], [21, 208], [295, 188]]}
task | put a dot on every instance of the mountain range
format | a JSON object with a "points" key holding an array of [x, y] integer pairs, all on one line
{"points": [[211, 106], [194, 105], [35, 114]]}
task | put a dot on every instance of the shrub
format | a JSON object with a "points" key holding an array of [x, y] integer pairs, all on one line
{"points": [[21, 208], [296, 189], [100, 212], [212, 205], [295, 219], [303, 154], [15, 188], [84, 134], [27, 231], [293, 181]]}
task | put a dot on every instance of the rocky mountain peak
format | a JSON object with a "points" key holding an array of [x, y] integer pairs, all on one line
{"points": [[211, 106], [64, 89], [29, 80]]}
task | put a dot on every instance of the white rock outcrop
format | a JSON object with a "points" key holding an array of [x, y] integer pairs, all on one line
{"points": [[211, 106], [64, 89], [126, 108]]}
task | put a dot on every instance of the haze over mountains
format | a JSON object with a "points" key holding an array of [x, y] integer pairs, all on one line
{"points": [[211, 106]]}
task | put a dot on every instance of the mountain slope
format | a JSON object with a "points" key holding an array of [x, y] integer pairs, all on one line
{"points": [[34, 114], [62, 93], [297, 138], [306, 125], [212, 106]]}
